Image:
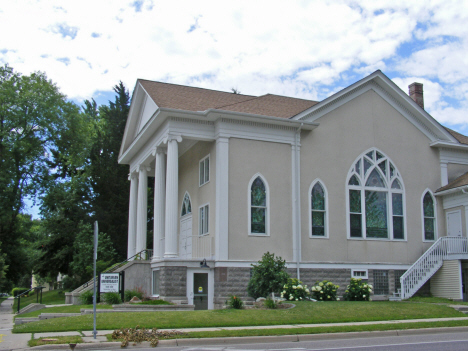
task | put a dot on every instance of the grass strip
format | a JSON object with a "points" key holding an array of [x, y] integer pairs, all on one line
{"points": [[303, 313], [54, 297], [60, 340]]}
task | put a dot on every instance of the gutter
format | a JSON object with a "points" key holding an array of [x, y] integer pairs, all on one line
{"points": [[463, 189]]}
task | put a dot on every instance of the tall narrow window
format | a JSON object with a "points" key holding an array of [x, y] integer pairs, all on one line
{"points": [[429, 217], [186, 205], [205, 170], [375, 198], [318, 215], [204, 219], [258, 207]]}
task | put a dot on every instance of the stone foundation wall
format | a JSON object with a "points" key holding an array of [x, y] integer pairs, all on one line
{"points": [[341, 277], [230, 281], [173, 282]]}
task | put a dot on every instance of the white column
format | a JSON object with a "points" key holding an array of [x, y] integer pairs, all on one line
{"points": [[222, 201], [443, 174], [159, 203], [142, 208], [172, 196], [132, 213]]}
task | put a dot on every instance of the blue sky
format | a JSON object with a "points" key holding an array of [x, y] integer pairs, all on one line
{"points": [[307, 49]]}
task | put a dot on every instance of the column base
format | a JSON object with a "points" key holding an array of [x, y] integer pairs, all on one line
{"points": [[170, 255]]}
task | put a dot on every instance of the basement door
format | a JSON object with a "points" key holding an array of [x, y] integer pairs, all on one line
{"points": [[454, 223], [185, 237], [200, 288]]}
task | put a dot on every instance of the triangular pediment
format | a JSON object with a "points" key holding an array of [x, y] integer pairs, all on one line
{"points": [[391, 93], [142, 109]]}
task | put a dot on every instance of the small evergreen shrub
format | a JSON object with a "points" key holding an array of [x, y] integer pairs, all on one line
{"points": [[235, 302], [325, 291], [294, 290], [270, 303], [138, 292], [86, 298], [357, 290], [268, 276], [112, 298]]}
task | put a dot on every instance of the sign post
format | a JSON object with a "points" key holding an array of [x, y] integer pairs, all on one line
{"points": [[95, 259]]}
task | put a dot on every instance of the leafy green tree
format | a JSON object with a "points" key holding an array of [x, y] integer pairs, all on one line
{"points": [[33, 117], [268, 276]]}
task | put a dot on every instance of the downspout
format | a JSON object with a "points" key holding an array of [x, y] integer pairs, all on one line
{"points": [[297, 197]]}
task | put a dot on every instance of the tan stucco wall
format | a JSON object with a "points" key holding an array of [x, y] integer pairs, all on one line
{"points": [[273, 161], [329, 152], [189, 181]]}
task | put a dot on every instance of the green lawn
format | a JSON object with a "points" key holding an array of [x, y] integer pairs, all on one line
{"points": [[54, 297], [303, 313], [63, 309]]}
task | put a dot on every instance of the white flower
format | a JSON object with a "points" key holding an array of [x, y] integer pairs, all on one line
{"points": [[297, 300], [294, 287], [301, 298], [328, 296], [337, 299], [318, 288], [291, 297], [320, 284], [370, 286], [364, 296], [308, 291], [321, 292], [299, 286], [285, 286]]}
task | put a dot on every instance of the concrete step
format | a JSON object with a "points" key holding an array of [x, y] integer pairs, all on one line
{"points": [[19, 321], [43, 316], [31, 308]]}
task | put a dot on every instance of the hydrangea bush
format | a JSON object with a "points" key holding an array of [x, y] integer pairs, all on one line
{"points": [[325, 291], [294, 290], [357, 290]]}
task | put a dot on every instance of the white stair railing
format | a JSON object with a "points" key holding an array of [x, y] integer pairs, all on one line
{"points": [[425, 267]]}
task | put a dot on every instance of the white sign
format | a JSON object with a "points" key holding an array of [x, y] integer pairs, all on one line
{"points": [[109, 282]]}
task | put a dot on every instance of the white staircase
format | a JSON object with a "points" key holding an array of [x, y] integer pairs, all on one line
{"points": [[429, 263]]}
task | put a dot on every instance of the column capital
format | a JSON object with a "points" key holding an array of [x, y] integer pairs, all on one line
{"points": [[133, 175], [141, 168], [158, 150], [171, 136]]}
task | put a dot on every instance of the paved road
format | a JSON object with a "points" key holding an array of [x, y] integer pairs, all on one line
{"points": [[424, 342], [7, 340]]}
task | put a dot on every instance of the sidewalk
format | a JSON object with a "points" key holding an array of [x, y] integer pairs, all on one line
{"points": [[9, 341], [17, 342]]}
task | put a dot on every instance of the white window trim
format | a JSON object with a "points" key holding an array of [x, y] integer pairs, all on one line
{"points": [[436, 236], [360, 270], [204, 206], [388, 190], [182, 206], [249, 204], [309, 194], [200, 184], [152, 282]]}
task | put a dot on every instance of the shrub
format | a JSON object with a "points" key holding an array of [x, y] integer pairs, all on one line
{"points": [[86, 298], [155, 302], [357, 290], [269, 303], [235, 302], [18, 291], [268, 276], [325, 291], [112, 298], [138, 292], [294, 290]]}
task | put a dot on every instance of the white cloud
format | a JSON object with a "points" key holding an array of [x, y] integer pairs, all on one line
{"points": [[296, 48]]}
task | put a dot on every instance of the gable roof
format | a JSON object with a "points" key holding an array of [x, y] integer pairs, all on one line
{"points": [[462, 139], [187, 98], [456, 183]]}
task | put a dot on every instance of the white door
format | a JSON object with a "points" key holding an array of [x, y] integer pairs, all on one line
{"points": [[185, 237], [454, 223]]}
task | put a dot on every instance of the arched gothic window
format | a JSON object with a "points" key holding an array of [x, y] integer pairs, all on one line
{"points": [[258, 206], [318, 210], [376, 203], [429, 216], [186, 205]]}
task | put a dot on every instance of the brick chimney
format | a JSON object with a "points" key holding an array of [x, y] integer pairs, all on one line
{"points": [[416, 93]]}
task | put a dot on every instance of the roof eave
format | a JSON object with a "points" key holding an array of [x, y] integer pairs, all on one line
{"points": [[463, 189], [448, 145]]}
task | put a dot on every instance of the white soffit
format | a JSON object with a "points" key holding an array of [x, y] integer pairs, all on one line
{"points": [[389, 91]]}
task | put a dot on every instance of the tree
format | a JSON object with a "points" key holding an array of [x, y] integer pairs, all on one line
{"points": [[109, 179], [268, 276], [33, 117]]}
